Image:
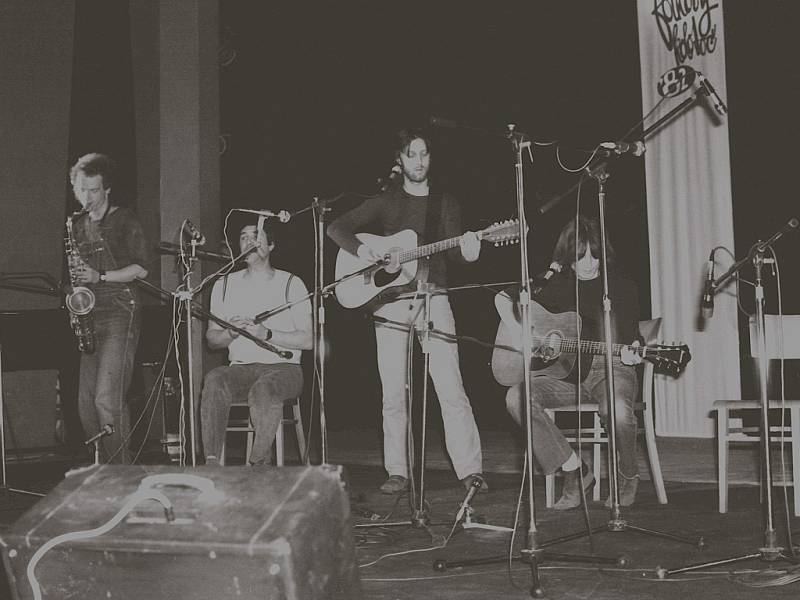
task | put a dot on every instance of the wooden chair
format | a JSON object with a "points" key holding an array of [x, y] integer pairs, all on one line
{"points": [[596, 435], [728, 431], [239, 421]]}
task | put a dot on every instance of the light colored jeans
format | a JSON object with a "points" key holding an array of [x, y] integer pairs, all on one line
{"points": [[461, 433], [550, 447]]}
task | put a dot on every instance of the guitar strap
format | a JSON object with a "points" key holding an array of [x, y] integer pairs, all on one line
{"points": [[433, 221]]}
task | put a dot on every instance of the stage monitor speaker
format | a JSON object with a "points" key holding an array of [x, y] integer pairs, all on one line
{"points": [[31, 406], [235, 532]]}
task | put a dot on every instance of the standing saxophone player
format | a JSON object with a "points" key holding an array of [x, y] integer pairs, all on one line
{"points": [[111, 250]]}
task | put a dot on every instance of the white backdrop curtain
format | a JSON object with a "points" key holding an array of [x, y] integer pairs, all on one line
{"points": [[689, 208]]}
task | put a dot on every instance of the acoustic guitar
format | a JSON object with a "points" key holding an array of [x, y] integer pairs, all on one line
{"points": [[555, 346], [399, 266]]}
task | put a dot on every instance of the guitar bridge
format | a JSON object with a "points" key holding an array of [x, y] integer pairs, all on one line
{"points": [[550, 350]]}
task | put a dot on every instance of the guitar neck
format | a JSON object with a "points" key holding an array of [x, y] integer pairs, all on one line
{"points": [[597, 348], [428, 249]]}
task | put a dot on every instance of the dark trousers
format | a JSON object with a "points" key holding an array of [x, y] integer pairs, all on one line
{"points": [[550, 447], [266, 388], [105, 376]]}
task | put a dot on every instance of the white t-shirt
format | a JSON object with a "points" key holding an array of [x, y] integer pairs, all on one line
{"points": [[248, 297]]}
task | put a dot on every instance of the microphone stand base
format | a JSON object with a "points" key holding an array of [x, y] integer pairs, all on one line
{"points": [[769, 555], [617, 525], [5, 491]]}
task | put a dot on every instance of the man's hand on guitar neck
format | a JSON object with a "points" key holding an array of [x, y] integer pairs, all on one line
{"points": [[470, 246], [630, 357]]}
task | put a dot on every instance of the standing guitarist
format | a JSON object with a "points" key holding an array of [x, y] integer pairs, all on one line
{"points": [[550, 447], [432, 217]]}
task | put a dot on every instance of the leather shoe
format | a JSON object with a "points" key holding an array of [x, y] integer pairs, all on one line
{"points": [[394, 485], [467, 481], [570, 491]]}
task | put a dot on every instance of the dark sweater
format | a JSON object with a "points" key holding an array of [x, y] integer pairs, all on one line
{"points": [[112, 243], [559, 296], [396, 210]]}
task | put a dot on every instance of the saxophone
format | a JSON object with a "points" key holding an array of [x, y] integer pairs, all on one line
{"points": [[80, 300]]}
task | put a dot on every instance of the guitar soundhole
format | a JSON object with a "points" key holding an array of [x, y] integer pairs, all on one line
{"points": [[382, 278]]}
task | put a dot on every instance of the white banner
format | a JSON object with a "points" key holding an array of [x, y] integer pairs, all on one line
{"points": [[689, 205]]}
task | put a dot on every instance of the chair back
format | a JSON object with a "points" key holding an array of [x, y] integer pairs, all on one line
{"points": [[650, 330], [782, 336]]}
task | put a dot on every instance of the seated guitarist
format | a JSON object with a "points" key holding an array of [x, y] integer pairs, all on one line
{"points": [[432, 216], [551, 449]]}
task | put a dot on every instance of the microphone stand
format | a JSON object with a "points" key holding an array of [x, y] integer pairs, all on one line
{"points": [[419, 517], [770, 551], [95, 439], [191, 308], [599, 171], [319, 206], [533, 553], [186, 297], [615, 523]]}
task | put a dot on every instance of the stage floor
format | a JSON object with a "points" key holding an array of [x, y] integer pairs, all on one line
{"points": [[397, 562]]}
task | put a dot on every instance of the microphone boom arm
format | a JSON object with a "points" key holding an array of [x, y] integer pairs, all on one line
{"points": [[200, 312]]}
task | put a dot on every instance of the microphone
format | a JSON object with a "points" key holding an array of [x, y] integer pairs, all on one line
{"points": [[282, 215], [194, 233], [551, 270], [707, 301], [107, 429], [477, 482], [394, 174], [709, 91], [636, 148], [792, 224], [439, 122]]}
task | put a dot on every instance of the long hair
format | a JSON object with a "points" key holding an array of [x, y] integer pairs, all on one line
{"points": [[406, 136], [588, 234]]}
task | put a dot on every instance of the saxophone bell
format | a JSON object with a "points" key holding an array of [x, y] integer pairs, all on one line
{"points": [[80, 301]]}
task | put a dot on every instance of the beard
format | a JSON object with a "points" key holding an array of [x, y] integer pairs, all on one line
{"points": [[415, 175]]}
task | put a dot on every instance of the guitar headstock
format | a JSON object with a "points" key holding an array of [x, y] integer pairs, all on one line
{"points": [[501, 233], [670, 359]]}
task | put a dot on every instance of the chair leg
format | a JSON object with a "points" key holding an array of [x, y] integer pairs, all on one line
{"points": [[652, 455], [550, 480], [722, 458], [794, 415], [299, 432], [279, 444], [597, 456], [251, 434]]}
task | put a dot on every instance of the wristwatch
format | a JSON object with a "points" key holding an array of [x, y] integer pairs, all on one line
{"points": [[102, 276]]}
